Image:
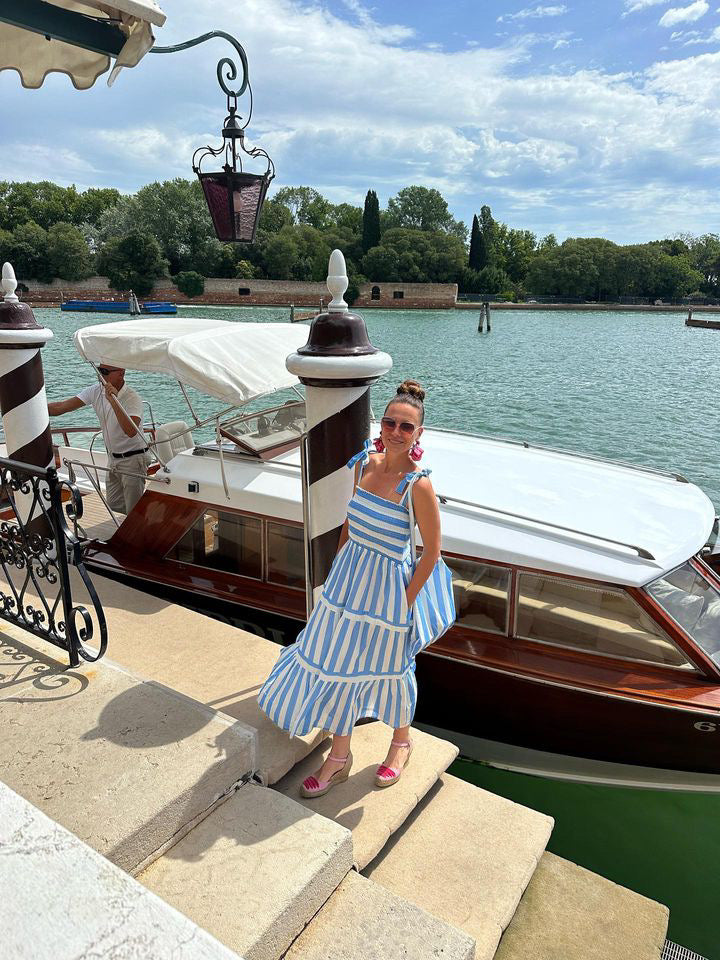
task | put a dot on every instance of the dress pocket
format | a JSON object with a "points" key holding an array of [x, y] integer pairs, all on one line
{"points": [[405, 610]]}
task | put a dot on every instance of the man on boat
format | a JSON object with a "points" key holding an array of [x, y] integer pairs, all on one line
{"points": [[119, 410]]}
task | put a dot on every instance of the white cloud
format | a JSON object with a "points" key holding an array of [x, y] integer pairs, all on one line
{"points": [[338, 106], [392, 33], [687, 14], [690, 38], [531, 13], [633, 6]]}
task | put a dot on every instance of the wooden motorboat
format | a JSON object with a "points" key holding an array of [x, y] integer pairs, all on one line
{"points": [[588, 620]]}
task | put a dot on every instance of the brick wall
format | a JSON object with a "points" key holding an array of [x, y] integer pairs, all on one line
{"points": [[253, 293]]}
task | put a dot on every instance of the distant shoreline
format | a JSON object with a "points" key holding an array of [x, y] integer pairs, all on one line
{"points": [[596, 307], [578, 307]]}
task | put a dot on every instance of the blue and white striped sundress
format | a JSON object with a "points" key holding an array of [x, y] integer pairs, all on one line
{"points": [[356, 656]]}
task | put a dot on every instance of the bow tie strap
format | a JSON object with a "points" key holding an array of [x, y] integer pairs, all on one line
{"points": [[410, 478], [363, 455]]}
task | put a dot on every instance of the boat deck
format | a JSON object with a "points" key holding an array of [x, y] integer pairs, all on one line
{"points": [[95, 520]]}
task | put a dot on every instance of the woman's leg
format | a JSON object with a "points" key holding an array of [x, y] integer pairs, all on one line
{"points": [[340, 748], [396, 756]]}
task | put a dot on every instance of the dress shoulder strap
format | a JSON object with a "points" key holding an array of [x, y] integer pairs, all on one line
{"points": [[407, 481], [362, 457]]}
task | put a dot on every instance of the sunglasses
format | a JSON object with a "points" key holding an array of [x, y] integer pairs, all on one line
{"points": [[404, 426], [104, 371]]}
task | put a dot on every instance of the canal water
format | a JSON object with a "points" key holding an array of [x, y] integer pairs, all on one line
{"points": [[639, 387]]}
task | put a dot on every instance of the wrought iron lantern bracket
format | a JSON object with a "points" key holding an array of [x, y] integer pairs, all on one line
{"points": [[234, 195]]}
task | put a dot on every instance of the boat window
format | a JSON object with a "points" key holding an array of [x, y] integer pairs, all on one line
{"points": [[481, 594], [594, 619], [285, 554], [693, 603], [223, 541]]}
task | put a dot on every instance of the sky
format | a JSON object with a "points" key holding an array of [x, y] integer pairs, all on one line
{"points": [[582, 118]]}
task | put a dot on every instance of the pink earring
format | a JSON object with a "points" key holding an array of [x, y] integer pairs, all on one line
{"points": [[378, 444], [416, 451]]}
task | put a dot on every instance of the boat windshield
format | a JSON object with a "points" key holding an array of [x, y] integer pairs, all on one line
{"points": [[694, 603], [263, 432]]}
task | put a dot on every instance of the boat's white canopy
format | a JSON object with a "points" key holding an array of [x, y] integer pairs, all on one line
{"points": [[233, 362]]}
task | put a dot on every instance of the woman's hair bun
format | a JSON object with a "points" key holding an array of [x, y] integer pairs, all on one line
{"points": [[411, 388]]}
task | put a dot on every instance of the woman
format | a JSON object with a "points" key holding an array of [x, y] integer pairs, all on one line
{"points": [[378, 608]]}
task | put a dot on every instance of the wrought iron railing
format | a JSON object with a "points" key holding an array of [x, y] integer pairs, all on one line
{"points": [[39, 542]]}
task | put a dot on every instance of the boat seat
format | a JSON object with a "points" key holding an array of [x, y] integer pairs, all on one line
{"points": [[172, 438]]}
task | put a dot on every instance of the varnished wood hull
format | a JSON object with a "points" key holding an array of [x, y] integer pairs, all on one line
{"points": [[481, 700]]}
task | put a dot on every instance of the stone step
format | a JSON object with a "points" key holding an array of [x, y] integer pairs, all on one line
{"points": [[125, 764], [364, 921], [255, 871], [210, 661], [465, 856], [574, 914], [62, 900], [373, 814]]}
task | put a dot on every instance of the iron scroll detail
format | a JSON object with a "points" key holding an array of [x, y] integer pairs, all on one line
{"points": [[226, 62], [37, 549]]}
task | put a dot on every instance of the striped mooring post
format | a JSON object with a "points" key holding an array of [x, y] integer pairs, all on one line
{"points": [[23, 404], [337, 365]]}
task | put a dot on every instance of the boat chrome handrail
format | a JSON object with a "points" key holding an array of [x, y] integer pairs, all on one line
{"points": [[641, 551], [668, 474], [127, 473]]}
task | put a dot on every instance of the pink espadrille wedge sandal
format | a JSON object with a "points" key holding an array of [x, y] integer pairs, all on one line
{"points": [[387, 776], [312, 787]]}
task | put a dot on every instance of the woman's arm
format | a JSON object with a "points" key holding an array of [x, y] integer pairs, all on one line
{"points": [[427, 514]]}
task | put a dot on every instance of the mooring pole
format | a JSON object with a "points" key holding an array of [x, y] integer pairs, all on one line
{"points": [[23, 404], [487, 316], [337, 365]]}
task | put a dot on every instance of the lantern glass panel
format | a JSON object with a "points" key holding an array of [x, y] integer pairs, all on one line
{"points": [[234, 201]]}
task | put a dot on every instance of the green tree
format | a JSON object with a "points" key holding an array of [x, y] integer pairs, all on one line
{"points": [[281, 254], [274, 216], [382, 264], [132, 262], [423, 208], [244, 270], [370, 221], [475, 242], [68, 253], [487, 253], [516, 249], [92, 203], [345, 216], [306, 205], [190, 283], [175, 213], [43, 203], [29, 252], [704, 255]]}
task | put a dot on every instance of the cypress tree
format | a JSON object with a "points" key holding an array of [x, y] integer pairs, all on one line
{"points": [[475, 243], [371, 222], [487, 254]]}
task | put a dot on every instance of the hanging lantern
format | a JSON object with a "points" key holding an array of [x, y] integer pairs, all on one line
{"points": [[234, 195]]}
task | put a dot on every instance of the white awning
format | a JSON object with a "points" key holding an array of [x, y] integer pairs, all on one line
{"points": [[233, 362], [33, 55]]}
